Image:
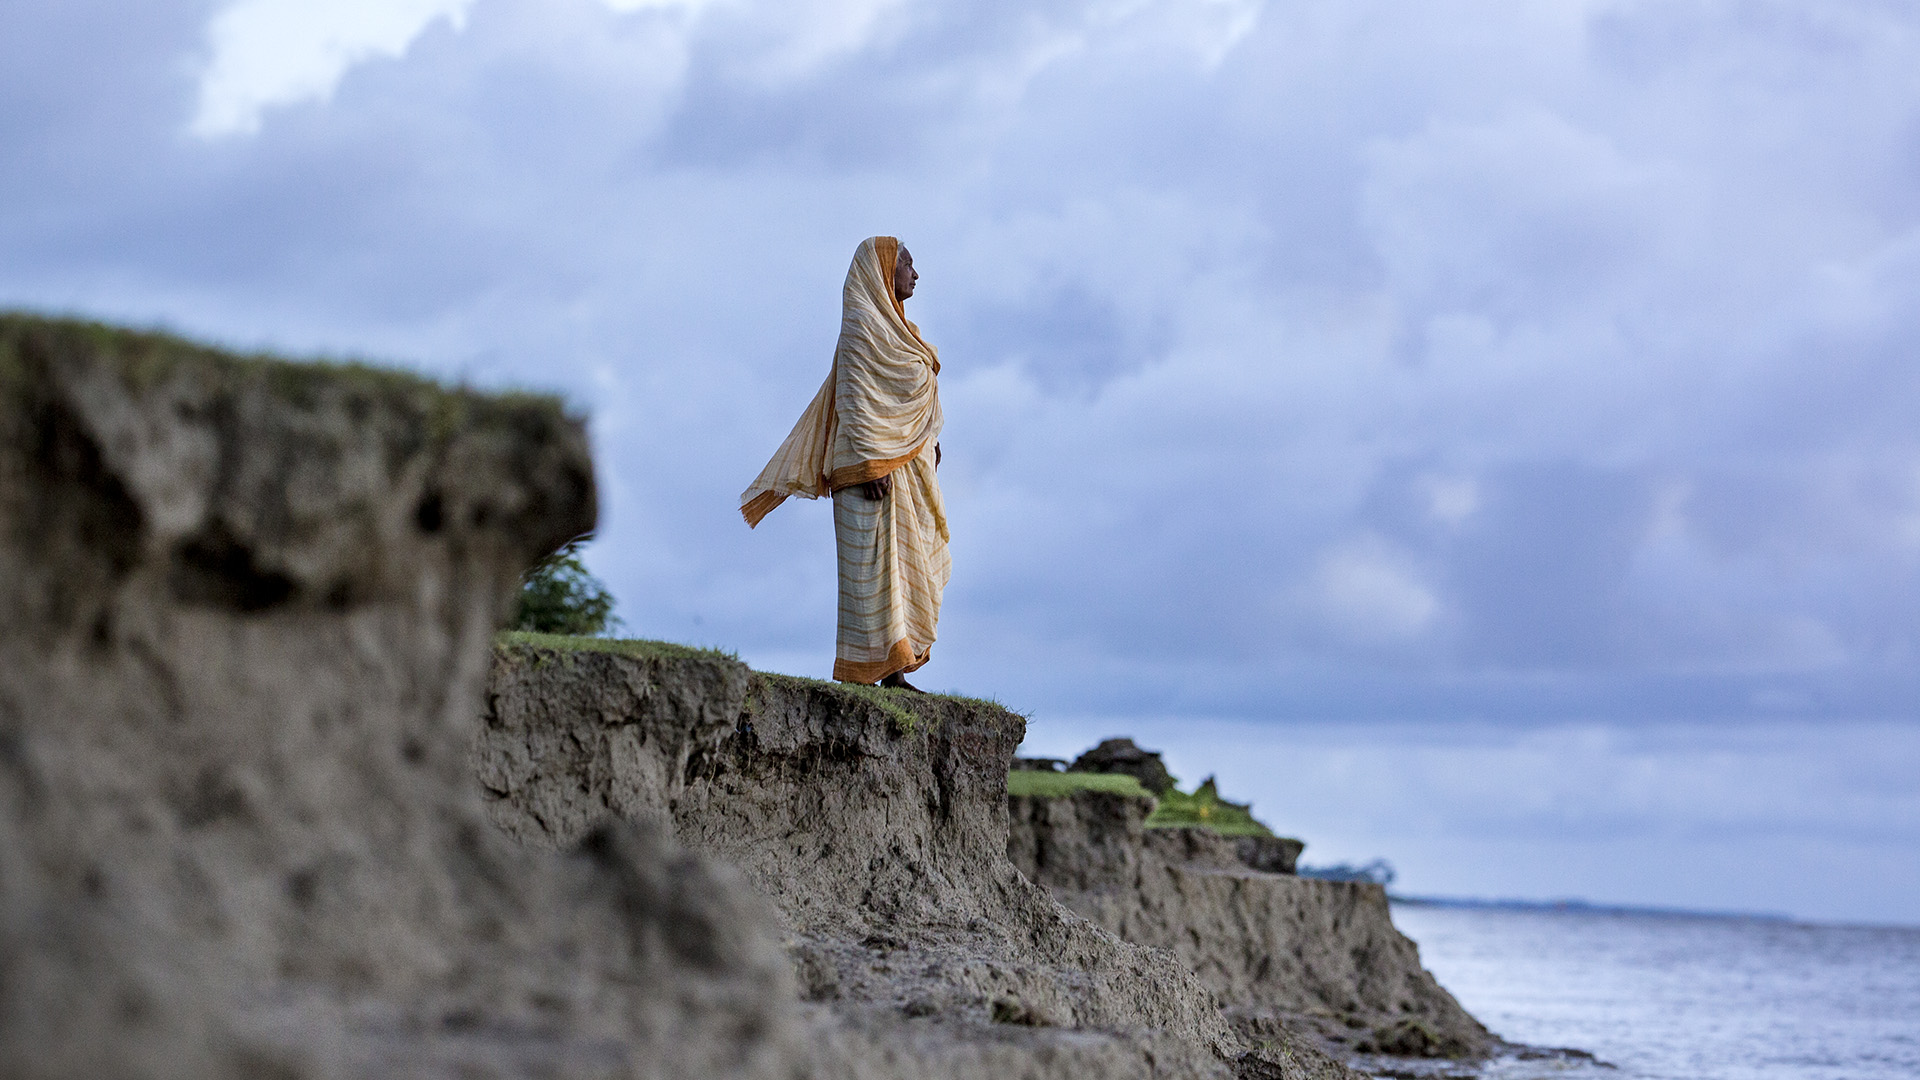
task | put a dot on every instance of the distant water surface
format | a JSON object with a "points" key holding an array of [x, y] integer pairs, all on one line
{"points": [[1665, 997]]}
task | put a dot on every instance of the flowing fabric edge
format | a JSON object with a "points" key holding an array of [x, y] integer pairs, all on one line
{"points": [[760, 506]]}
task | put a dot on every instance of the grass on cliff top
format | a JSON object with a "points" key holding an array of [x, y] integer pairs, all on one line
{"points": [[635, 647], [891, 702], [147, 358], [1059, 785], [894, 703], [1203, 808]]}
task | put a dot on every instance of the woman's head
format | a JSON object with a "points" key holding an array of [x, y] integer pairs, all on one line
{"points": [[904, 275]]}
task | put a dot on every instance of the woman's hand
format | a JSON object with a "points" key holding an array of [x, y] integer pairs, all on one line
{"points": [[878, 487]]}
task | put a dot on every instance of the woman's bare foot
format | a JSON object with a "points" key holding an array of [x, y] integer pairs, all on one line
{"points": [[898, 681]]}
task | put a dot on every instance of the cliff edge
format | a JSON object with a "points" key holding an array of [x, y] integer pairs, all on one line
{"points": [[875, 820], [248, 614]]}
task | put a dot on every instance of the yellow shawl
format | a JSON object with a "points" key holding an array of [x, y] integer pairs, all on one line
{"points": [[879, 406]]}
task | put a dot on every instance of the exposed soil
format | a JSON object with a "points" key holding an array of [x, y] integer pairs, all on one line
{"points": [[1285, 955]]}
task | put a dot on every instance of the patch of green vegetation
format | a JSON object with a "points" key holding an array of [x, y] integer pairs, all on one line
{"points": [[560, 596], [891, 702], [981, 703], [1059, 785], [147, 358], [645, 650], [1204, 807], [896, 704]]}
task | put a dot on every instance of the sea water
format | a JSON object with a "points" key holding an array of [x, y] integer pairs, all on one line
{"points": [[1679, 997]]}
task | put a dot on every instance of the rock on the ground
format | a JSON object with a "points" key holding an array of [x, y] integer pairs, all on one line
{"points": [[1122, 756], [248, 609], [1271, 854], [1286, 955]]}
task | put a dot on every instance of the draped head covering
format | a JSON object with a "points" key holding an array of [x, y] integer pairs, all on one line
{"points": [[880, 405]]}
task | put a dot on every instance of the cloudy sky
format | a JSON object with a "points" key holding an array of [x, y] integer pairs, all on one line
{"points": [[1483, 433]]}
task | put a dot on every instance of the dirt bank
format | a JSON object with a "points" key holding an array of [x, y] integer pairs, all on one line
{"points": [[876, 822], [1283, 953]]}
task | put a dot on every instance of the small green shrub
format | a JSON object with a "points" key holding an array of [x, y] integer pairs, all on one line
{"points": [[559, 596]]}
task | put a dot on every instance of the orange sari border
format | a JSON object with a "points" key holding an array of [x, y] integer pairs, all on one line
{"points": [[887, 250], [760, 506], [900, 658], [847, 476]]}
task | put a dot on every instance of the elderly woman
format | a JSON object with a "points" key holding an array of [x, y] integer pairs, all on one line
{"points": [[871, 440]]}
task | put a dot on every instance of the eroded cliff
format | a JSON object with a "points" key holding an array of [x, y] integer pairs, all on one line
{"points": [[248, 609], [1283, 954], [876, 822]]}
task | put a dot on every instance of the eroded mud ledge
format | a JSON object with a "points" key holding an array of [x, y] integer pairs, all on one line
{"points": [[878, 824]]}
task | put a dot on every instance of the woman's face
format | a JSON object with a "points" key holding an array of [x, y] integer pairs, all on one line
{"points": [[904, 275]]}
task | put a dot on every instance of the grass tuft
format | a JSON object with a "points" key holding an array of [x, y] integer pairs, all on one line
{"points": [[1059, 785], [145, 359], [1205, 808], [895, 704], [636, 647], [980, 702], [891, 702]]}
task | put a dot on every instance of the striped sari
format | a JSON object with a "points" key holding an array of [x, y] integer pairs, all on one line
{"points": [[893, 568], [878, 414]]}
